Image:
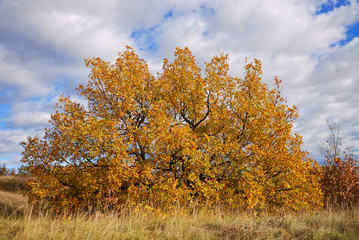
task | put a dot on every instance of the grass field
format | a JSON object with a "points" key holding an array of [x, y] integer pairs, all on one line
{"points": [[17, 221], [13, 183]]}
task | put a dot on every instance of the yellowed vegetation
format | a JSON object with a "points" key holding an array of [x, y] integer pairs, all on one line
{"points": [[13, 183], [200, 223], [183, 136], [13, 200]]}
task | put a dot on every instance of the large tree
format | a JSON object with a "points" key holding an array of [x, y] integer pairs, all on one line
{"points": [[179, 138]]}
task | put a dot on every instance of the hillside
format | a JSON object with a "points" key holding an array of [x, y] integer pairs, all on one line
{"points": [[12, 199]]}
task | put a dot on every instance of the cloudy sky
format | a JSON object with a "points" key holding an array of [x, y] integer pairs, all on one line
{"points": [[312, 45]]}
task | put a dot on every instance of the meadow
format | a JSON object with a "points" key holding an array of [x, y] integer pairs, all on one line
{"points": [[20, 221]]}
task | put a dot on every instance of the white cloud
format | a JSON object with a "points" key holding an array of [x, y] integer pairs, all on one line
{"points": [[28, 119], [10, 148], [19, 80], [333, 96], [10, 139], [43, 43]]}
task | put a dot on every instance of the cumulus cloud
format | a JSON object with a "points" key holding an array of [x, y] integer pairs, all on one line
{"points": [[17, 80], [305, 43], [335, 83], [10, 149], [10, 140], [28, 114]]}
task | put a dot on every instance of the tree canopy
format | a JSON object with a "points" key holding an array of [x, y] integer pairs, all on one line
{"points": [[178, 138]]}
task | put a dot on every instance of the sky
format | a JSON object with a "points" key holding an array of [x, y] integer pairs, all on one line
{"points": [[312, 45]]}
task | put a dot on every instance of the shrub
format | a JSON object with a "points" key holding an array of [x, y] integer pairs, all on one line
{"points": [[340, 172]]}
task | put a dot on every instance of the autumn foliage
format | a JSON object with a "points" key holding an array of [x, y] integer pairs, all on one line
{"points": [[183, 137], [340, 172]]}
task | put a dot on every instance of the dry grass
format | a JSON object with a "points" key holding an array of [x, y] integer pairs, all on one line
{"points": [[17, 221], [12, 204], [13, 183], [201, 224]]}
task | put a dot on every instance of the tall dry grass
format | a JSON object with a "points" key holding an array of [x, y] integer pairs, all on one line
{"points": [[13, 183], [19, 221], [181, 224]]}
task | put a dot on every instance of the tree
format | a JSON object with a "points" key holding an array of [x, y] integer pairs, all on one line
{"points": [[22, 172], [180, 138], [4, 170], [340, 172]]}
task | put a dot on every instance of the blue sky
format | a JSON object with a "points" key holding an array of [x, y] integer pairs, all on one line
{"points": [[312, 45]]}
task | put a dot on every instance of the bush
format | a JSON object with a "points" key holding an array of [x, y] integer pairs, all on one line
{"points": [[340, 172], [3, 170]]}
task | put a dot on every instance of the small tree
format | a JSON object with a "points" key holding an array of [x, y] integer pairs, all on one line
{"points": [[22, 172], [340, 179], [180, 138], [3, 170]]}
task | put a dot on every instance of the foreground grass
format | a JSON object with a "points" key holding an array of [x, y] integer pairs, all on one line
{"points": [[18, 221], [199, 224]]}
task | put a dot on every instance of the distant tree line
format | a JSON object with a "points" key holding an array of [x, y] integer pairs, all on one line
{"points": [[5, 171]]}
